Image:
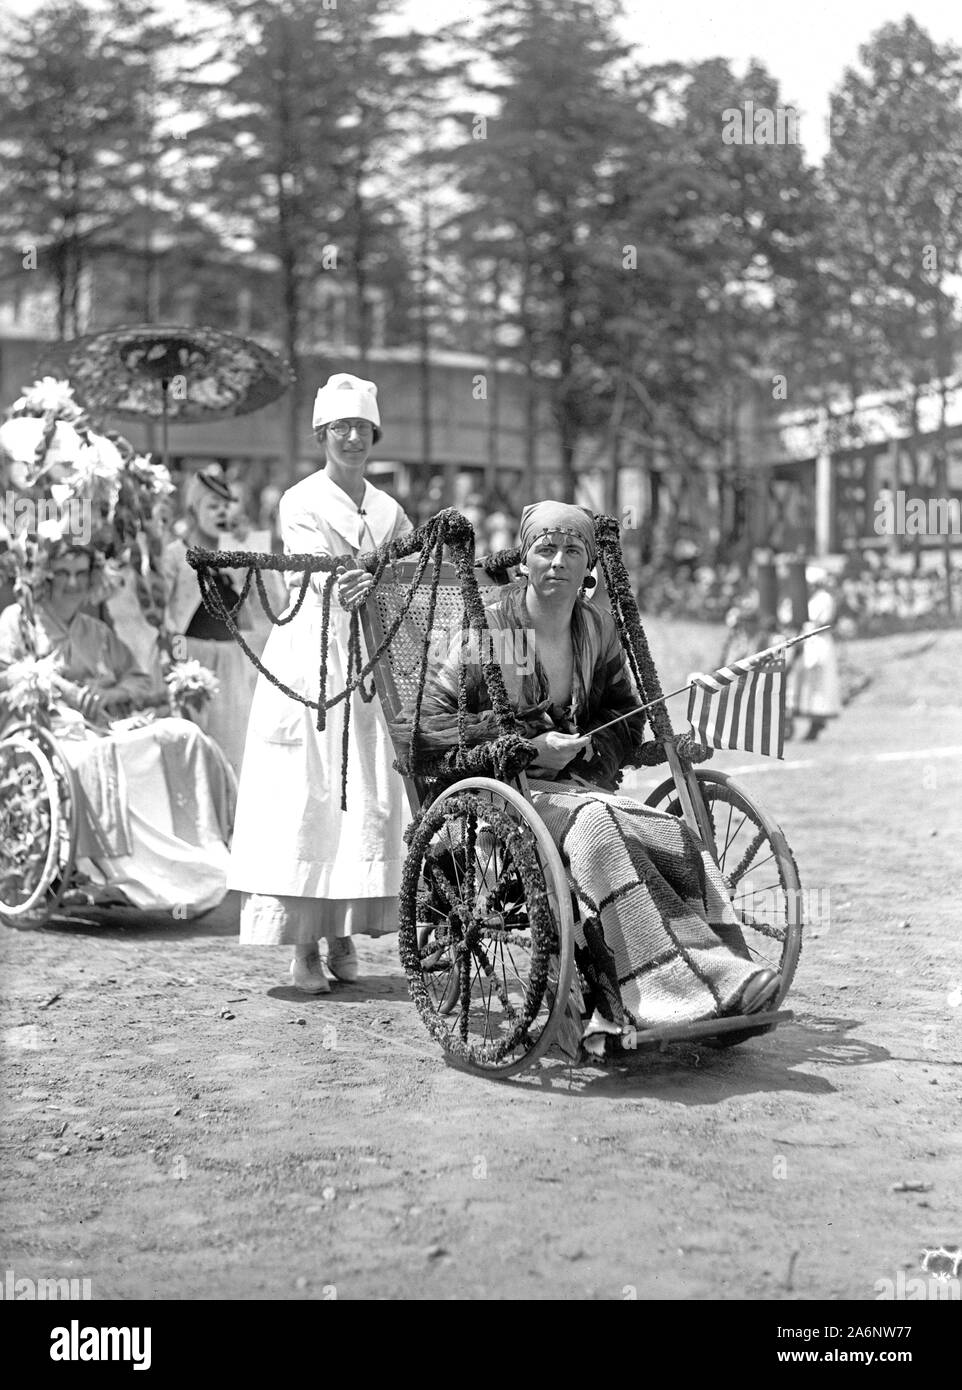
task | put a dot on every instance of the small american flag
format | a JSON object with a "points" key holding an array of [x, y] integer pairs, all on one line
{"points": [[741, 706]]}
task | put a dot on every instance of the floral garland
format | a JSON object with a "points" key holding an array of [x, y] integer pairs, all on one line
{"points": [[447, 529], [520, 842], [624, 609], [506, 754]]}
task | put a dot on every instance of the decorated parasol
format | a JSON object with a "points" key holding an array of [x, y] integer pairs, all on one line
{"points": [[169, 373]]}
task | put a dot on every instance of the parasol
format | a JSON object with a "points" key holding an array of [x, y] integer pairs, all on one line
{"points": [[168, 372]]}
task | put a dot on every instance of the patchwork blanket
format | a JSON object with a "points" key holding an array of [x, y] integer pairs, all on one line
{"points": [[653, 909]]}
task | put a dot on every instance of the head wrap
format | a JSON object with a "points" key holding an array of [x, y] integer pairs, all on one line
{"points": [[541, 517], [346, 397], [206, 481]]}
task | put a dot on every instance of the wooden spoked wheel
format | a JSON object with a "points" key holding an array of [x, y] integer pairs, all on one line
{"points": [[758, 868], [38, 827], [486, 928]]}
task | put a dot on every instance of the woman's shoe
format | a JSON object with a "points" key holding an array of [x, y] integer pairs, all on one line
{"points": [[307, 974], [759, 993], [342, 959]]}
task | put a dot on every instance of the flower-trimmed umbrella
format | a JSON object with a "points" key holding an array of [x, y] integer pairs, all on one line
{"points": [[169, 373]]}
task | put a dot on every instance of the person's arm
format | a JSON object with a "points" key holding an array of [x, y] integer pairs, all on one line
{"points": [[402, 524], [439, 713], [301, 535], [612, 693], [130, 686]]}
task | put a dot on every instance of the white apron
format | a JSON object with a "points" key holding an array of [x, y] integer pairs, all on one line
{"points": [[291, 838]]}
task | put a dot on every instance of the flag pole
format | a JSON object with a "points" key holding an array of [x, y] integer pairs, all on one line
{"points": [[746, 661]]}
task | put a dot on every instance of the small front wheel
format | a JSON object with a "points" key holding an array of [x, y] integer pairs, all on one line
{"points": [[486, 928]]}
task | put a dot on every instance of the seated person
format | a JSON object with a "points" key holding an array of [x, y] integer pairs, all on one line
{"points": [[653, 905], [154, 799]]}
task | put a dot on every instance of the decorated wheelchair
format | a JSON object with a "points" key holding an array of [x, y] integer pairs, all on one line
{"points": [[486, 909], [79, 489]]}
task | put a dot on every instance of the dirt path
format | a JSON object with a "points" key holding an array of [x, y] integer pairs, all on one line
{"points": [[300, 1146]]}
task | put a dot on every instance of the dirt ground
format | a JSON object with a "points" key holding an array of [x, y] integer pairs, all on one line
{"points": [[180, 1124]]}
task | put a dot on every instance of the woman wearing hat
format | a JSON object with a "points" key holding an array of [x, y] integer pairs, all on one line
{"points": [[203, 637], [814, 691], [305, 869], [657, 940]]}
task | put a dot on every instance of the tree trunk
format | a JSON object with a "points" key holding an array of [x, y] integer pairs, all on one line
{"points": [[360, 274], [291, 307], [565, 406], [424, 343]]}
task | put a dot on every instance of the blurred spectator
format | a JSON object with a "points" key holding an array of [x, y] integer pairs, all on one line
{"points": [[814, 691]]}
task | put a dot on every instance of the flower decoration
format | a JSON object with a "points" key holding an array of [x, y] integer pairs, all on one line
{"points": [[31, 686], [190, 686], [48, 396]]}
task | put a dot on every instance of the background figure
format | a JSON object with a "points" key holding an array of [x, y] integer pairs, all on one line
{"points": [[205, 638], [153, 798], [814, 691]]}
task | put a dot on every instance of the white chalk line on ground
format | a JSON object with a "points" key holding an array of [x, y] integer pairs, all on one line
{"points": [[903, 755]]}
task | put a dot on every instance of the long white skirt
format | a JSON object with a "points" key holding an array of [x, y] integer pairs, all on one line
{"points": [[291, 838], [158, 836]]}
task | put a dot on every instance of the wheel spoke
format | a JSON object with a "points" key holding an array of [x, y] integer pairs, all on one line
{"points": [[756, 843]]}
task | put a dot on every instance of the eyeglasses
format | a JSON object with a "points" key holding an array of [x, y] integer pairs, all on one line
{"points": [[342, 428]]}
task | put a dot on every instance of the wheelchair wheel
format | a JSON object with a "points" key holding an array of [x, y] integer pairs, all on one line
{"points": [[38, 827], [486, 928], [758, 867]]}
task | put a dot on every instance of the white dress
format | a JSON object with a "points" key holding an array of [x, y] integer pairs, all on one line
{"points": [[307, 868], [815, 689]]}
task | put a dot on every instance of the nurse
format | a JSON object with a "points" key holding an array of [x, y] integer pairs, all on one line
{"points": [[307, 870]]}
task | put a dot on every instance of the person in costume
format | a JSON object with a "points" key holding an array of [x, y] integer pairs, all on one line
{"points": [[204, 637], [814, 689], [307, 870], [154, 798], [654, 912]]}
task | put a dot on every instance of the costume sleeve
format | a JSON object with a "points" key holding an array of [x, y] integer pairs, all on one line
{"points": [[402, 524], [128, 676], [11, 641], [612, 693], [301, 535], [442, 677], [175, 615]]}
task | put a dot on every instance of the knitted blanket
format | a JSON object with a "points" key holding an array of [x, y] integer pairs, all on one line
{"points": [[649, 896]]}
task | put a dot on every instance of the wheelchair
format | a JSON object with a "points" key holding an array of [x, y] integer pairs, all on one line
{"points": [[487, 915], [41, 815]]}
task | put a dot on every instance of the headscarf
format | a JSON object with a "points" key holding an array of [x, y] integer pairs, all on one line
{"points": [[542, 517]]}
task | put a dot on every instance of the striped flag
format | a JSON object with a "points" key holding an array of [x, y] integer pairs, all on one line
{"points": [[741, 706]]}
